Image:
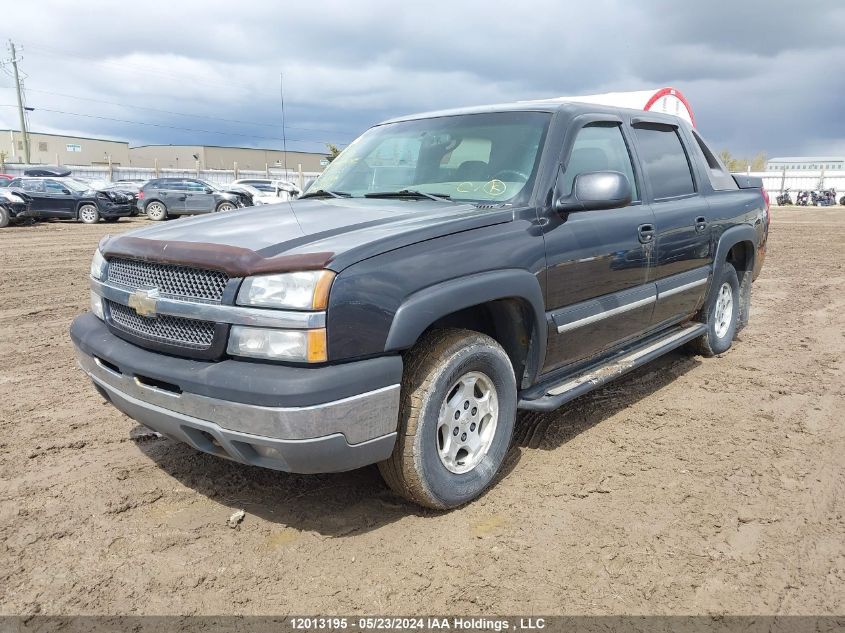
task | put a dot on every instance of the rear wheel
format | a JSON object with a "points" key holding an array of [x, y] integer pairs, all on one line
{"points": [[456, 419], [156, 211], [720, 315], [88, 214]]}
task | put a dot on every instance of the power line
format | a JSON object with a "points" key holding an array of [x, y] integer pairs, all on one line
{"points": [[169, 127], [185, 114]]}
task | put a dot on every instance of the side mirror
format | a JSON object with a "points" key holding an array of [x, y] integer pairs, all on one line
{"points": [[208, 190], [66, 191], [597, 190]]}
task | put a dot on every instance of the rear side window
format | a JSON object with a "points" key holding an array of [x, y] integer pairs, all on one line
{"points": [[720, 178], [599, 147], [664, 160]]}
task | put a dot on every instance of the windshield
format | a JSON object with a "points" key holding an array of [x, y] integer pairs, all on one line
{"points": [[473, 157], [76, 185]]}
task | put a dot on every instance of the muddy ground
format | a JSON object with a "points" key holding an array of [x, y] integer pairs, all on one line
{"points": [[692, 486]]}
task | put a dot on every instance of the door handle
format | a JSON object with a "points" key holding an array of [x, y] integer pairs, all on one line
{"points": [[645, 233], [700, 223]]}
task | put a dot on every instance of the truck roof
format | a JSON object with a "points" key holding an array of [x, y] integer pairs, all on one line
{"points": [[552, 105]]}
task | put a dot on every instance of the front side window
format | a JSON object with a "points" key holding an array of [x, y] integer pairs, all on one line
{"points": [[664, 161], [473, 157], [599, 147]]}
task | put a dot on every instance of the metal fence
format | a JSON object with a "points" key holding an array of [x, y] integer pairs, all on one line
{"points": [[774, 181], [216, 176], [801, 180]]}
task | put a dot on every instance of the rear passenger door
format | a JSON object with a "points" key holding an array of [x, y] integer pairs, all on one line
{"points": [[34, 188], [597, 279], [681, 217], [198, 197]]}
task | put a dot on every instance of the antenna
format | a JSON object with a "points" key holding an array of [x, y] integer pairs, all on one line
{"points": [[284, 135]]}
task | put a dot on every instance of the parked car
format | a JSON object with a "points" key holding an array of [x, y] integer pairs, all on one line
{"points": [[256, 196], [129, 188], [161, 198], [14, 205], [5, 179], [69, 198], [445, 271], [278, 188]]}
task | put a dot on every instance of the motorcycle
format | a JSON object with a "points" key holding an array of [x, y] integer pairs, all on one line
{"points": [[823, 198], [784, 198], [829, 197], [803, 198]]}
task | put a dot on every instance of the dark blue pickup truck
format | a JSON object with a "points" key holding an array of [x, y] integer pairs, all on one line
{"points": [[445, 271]]}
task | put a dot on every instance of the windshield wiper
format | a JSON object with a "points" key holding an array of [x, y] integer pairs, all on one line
{"points": [[322, 193], [409, 193]]}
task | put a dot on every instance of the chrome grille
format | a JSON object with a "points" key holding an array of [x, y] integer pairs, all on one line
{"points": [[170, 330], [179, 282]]}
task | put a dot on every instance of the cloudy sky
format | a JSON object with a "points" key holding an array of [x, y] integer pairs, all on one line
{"points": [[761, 75]]}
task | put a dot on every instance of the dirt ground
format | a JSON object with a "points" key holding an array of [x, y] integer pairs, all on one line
{"points": [[691, 486]]}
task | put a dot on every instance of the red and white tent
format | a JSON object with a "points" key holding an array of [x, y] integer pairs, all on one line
{"points": [[667, 100]]}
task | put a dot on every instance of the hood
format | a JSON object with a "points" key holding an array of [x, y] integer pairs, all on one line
{"points": [[300, 235], [111, 194]]}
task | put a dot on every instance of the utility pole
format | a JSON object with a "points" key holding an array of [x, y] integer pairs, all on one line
{"points": [[19, 91]]}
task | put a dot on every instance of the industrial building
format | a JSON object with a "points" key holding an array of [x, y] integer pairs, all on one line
{"points": [[803, 163], [219, 157], [63, 150], [57, 149]]}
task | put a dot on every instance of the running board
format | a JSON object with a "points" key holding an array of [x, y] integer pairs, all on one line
{"points": [[573, 387]]}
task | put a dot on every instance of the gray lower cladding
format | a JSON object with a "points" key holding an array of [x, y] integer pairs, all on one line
{"points": [[593, 310], [330, 453]]}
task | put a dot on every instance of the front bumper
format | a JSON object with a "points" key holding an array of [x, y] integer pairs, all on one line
{"points": [[114, 209], [295, 419]]}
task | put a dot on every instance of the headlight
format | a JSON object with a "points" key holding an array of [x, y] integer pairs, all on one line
{"points": [[98, 265], [307, 290], [293, 345], [97, 306]]}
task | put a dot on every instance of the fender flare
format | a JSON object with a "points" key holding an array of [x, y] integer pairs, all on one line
{"points": [[83, 202], [729, 239], [422, 308]]}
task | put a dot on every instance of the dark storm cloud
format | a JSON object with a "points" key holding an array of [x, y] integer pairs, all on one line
{"points": [[761, 75]]}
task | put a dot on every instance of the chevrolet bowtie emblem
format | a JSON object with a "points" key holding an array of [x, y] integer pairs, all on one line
{"points": [[144, 302]]}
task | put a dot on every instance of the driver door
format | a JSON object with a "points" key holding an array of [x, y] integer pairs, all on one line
{"points": [[59, 201], [597, 289]]}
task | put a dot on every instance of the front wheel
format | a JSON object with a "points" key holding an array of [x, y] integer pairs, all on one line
{"points": [[88, 214], [720, 315], [225, 206], [5, 218], [456, 419], [156, 211]]}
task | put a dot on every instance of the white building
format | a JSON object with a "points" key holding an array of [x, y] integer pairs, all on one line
{"points": [[805, 163]]}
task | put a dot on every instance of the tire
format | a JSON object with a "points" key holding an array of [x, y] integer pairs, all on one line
{"points": [[88, 214], [156, 211], [422, 467], [5, 218], [225, 206], [721, 325]]}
